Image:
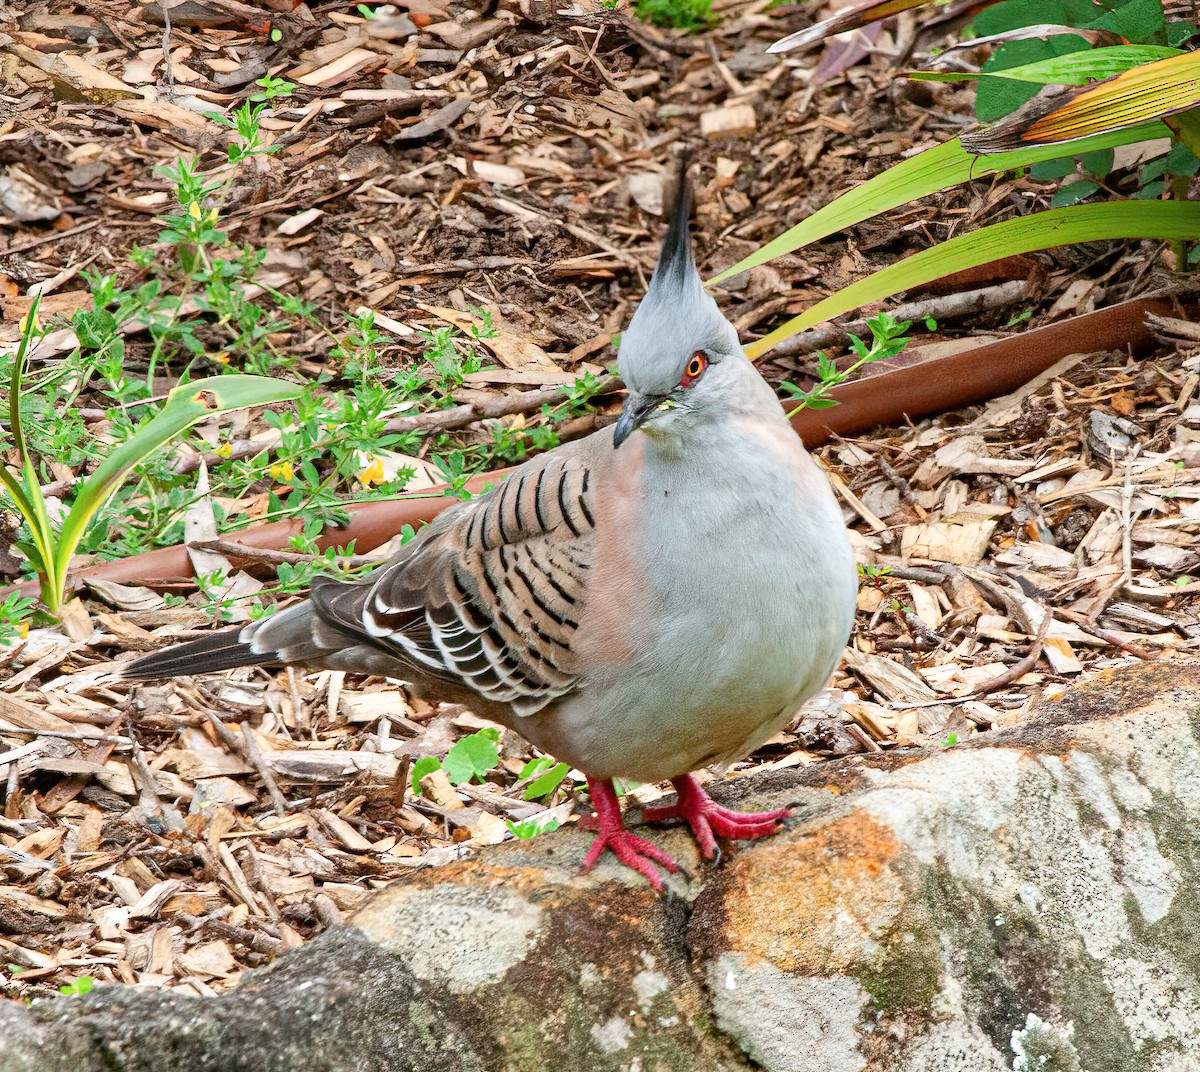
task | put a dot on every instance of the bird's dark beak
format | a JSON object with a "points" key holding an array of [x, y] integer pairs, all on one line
{"points": [[636, 409]]}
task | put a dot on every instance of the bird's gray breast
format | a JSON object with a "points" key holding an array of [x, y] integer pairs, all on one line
{"points": [[743, 601]]}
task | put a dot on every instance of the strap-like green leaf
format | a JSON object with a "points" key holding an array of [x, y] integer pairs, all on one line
{"points": [[939, 168], [1163, 220], [1073, 69], [185, 405]]}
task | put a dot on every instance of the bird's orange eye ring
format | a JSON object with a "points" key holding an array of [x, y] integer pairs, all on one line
{"points": [[696, 366]]}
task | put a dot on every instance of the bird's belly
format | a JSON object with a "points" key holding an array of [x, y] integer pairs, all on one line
{"points": [[727, 667]]}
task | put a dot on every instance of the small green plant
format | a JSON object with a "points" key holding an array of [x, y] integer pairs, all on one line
{"points": [[530, 828], [14, 610], [77, 987], [471, 757], [441, 351], [888, 338], [51, 544], [690, 15], [544, 777], [869, 573]]}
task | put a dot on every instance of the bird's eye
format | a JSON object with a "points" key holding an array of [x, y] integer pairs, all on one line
{"points": [[696, 365]]}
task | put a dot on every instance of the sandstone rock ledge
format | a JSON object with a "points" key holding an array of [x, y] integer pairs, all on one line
{"points": [[1028, 901]]}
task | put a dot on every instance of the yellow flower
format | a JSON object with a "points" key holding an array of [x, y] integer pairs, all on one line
{"points": [[221, 359], [225, 450], [372, 474], [283, 472], [25, 325], [194, 210]]}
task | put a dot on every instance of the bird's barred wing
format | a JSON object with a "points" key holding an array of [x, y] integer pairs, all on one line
{"points": [[492, 597]]}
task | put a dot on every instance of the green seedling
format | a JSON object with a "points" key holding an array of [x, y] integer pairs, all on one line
{"points": [[52, 546], [887, 340]]}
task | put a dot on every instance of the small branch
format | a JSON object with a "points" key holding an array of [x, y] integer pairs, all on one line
{"points": [[492, 408], [943, 307], [278, 800], [1018, 669], [259, 942], [246, 553], [1021, 667], [61, 735]]}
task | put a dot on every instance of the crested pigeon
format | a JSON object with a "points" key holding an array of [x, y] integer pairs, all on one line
{"points": [[647, 601]]}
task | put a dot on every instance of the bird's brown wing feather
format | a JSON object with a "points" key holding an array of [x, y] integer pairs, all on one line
{"points": [[491, 597]]}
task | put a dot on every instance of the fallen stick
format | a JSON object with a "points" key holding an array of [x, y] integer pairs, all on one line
{"points": [[942, 307], [492, 408]]}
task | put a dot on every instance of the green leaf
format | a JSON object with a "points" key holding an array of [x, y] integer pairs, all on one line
{"points": [[547, 783], [185, 406], [535, 767], [1187, 126], [1049, 170], [998, 96], [1162, 220], [1074, 192], [1097, 164], [1178, 31], [529, 828], [423, 766], [1179, 161], [939, 168], [1139, 22], [472, 756], [1074, 68], [1150, 190]]}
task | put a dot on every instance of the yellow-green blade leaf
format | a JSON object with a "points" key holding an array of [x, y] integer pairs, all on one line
{"points": [[1164, 220], [1146, 92], [185, 405], [939, 168], [1073, 69]]}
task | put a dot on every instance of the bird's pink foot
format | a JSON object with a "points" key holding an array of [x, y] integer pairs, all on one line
{"points": [[709, 820], [632, 851]]}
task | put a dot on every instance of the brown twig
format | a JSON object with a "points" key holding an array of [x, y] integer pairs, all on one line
{"points": [[1021, 667], [492, 408], [943, 307], [251, 752], [1018, 669], [242, 551], [256, 940]]}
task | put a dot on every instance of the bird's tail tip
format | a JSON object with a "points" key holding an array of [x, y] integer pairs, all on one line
{"points": [[219, 651]]}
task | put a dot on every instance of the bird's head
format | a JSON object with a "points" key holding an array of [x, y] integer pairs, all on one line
{"points": [[679, 355]]}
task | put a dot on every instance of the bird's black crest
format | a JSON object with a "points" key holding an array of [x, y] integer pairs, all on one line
{"points": [[676, 257]]}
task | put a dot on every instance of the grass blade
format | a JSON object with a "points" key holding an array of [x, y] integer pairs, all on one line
{"points": [[185, 405], [1164, 220], [1073, 69], [939, 168]]}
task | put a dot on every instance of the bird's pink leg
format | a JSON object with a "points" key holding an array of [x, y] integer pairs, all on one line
{"points": [[632, 851], [709, 820]]}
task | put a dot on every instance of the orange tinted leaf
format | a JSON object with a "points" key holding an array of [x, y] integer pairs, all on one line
{"points": [[1149, 91]]}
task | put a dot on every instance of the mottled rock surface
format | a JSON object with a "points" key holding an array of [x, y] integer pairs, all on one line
{"points": [[1025, 901]]}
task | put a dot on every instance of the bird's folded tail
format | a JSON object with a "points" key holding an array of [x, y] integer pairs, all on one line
{"points": [[295, 635]]}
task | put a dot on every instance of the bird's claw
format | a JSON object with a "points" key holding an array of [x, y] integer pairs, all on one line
{"points": [[710, 821], [632, 851]]}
